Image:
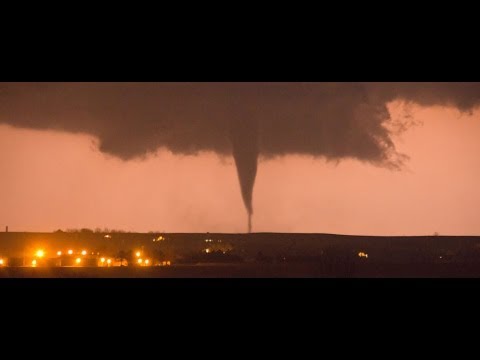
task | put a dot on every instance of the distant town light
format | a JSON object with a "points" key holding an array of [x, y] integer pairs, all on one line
{"points": [[40, 253], [207, 251], [59, 253], [102, 260], [109, 261], [70, 252], [147, 262], [137, 254], [78, 260], [1, 261], [84, 252], [107, 236], [34, 262], [168, 263], [140, 261]]}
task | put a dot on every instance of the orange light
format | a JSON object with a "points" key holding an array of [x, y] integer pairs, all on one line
{"points": [[70, 252], [109, 261], [102, 260], [40, 253], [59, 253], [84, 252], [207, 251], [34, 263], [140, 261], [1, 261], [137, 254], [147, 262], [78, 260], [168, 263]]}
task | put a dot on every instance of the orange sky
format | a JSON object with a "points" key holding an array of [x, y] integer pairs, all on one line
{"points": [[51, 180]]}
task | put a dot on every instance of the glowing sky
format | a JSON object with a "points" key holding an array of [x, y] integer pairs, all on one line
{"points": [[51, 180]]}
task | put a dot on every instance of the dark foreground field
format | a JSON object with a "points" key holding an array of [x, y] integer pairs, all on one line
{"points": [[249, 271]]}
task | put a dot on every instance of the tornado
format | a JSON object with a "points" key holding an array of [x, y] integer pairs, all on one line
{"points": [[331, 121], [244, 137]]}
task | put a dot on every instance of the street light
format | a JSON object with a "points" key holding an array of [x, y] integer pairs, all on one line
{"points": [[59, 253], [78, 260], [40, 253]]}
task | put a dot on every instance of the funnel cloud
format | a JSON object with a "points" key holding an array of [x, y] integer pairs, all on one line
{"points": [[333, 121], [244, 135]]}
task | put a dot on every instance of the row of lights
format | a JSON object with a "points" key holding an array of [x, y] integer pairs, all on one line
{"points": [[210, 240], [103, 260], [146, 262], [41, 253], [34, 262]]}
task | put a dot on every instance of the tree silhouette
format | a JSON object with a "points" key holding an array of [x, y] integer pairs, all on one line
{"points": [[122, 255]]}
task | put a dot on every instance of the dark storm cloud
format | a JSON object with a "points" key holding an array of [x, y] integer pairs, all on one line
{"points": [[331, 120]]}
